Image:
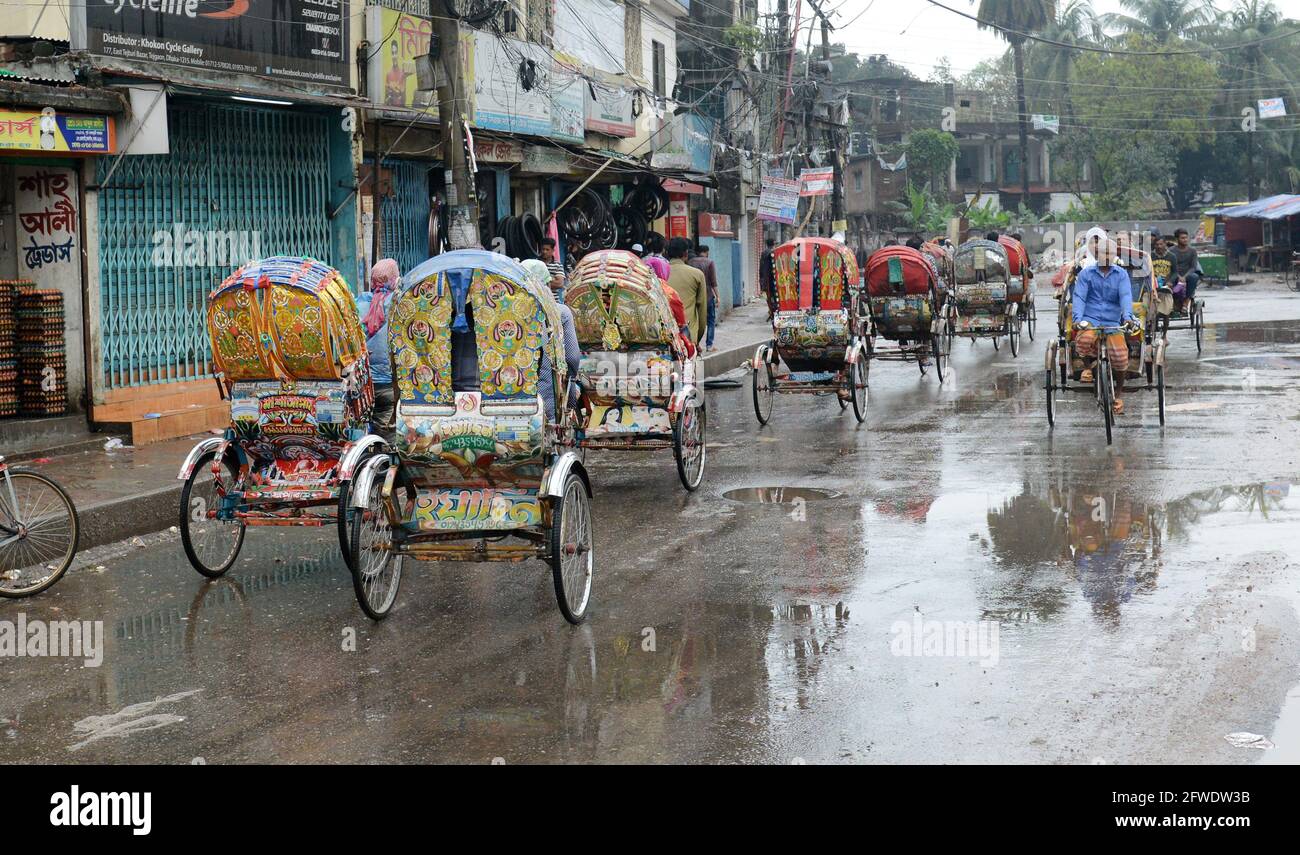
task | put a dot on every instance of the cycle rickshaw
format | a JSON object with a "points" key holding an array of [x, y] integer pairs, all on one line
{"points": [[639, 381], [1193, 317], [943, 264], [476, 473], [980, 304], [904, 307], [289, 354], [1021, 284], [818, 329], [1146, 349]]}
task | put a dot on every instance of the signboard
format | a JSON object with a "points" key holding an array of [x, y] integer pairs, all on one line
{"points": [[716, 225], [779, 201], [610, 111], [568, 108], [545, 159], [498, 151], [592, 32], [301, 41], [1272, 108], [1047, 123], [397, 39], [679, 217], [816, 182], [48, 130], [501, 102], [46, 210]]}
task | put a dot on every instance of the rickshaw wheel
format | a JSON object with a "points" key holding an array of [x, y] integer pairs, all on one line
{"points": [[996, 345], [858, 389], [764, 392], [1106, 397], [1051, 399], [690, 469], [1013, 336], [1032, 320], [571, 549], [1160, 391], [211, 545], [376, 571], [345, 522], [936, 351], [1198, 324]]}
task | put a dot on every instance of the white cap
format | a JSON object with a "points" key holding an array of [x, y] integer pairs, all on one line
{"points": [[636, 247]]}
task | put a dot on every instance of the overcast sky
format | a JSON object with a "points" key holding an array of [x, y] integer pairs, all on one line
{"points": [[914, 33]]}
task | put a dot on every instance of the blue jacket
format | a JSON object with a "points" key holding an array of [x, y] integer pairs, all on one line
{"points": [[381, 368], [1103, 301]]}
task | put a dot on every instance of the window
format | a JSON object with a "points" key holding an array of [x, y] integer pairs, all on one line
{"points": [[660, 70], [857, 180]]}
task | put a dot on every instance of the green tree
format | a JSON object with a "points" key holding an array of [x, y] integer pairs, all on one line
{"points": [[1135, 142], [1076, 26], [929, 154], [1014, 20], [1164, 21]]}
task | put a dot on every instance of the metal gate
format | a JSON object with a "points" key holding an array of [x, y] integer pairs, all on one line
{"points": [[405, 212], [240, 182]]}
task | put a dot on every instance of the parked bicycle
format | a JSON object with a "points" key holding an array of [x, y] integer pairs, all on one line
{"points": [[38, 532]]}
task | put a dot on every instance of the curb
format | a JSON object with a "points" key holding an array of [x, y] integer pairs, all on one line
{"points": [[722, 361], [119, 519]]}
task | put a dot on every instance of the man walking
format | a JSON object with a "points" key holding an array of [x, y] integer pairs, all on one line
{"points": [[701, 262], [690, 285]]}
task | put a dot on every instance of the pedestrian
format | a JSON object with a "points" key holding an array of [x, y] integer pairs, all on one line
{"points": [[1187, 271], [373, 307], [690, 285], [701, 262], [767, 277], [559, 279]]}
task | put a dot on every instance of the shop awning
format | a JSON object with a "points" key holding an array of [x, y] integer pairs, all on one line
{"points": [[1269, 208]]}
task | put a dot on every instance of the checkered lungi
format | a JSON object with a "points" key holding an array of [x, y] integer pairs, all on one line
{"points": [[1085, 344]]}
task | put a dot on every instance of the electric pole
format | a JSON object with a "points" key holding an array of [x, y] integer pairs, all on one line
{"points": [[461, 194]]}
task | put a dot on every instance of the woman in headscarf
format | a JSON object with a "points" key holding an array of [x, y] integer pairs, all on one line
{"points": [[540, 275], [373, 307], [662, 269]]}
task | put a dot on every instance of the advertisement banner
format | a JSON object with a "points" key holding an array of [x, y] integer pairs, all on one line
{"points": [[501, 101], [397, 39], [303, 41], [48, 130], [609, 111], [816, 182], [1272, 108], [568, 108], [779, 201]]}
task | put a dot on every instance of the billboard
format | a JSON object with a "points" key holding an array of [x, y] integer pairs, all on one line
{"points": [[48, 130], [397, 39], [303, 41]]}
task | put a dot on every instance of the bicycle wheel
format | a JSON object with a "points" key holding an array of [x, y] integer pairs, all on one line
{"points": [[572, 557], [211, 545], [38, 533], [688, 446], [1032, 320], [376, 570], [1106, 397], [764, 392], [1198, 324], [859, 388]]}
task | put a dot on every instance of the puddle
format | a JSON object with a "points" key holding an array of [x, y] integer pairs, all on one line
{"points": [[1270, 332], [1264, 361], [779, 495]]}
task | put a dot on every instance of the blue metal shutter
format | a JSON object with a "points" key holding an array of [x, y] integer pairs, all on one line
{"points": [[260, 173], [405, 233]]}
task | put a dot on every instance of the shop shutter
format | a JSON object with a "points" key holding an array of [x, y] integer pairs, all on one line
{"points": [[406, 213], [242, 180]]}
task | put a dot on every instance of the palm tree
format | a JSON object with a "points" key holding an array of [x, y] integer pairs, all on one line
{"points": [[1014, 20], [1165, 20], [1076, 25], [1256, 71]]}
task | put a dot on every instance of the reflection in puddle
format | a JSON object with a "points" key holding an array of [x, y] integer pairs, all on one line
{"points": [[779, 495], [1269, 332]]}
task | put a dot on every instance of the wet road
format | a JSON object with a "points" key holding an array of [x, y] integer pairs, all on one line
{"points": [[1133, 604]]}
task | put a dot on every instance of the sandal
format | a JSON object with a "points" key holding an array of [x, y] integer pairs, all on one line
{"points": [[1119, 408]]}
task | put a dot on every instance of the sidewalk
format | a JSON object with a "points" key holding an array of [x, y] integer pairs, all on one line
{"points": [[736, 337], [122, 492]]}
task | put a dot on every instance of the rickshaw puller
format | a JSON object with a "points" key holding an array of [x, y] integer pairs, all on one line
{"points": [[1103, 300]]}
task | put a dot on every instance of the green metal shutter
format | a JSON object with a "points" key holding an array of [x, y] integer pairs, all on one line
{"points": [[406, 213], [260, 173]]}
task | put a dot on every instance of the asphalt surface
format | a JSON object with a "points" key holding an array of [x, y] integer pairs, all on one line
{"points": [[1130, 604]]}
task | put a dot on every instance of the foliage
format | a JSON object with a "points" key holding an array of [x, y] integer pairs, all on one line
{"points": [[983, 217], [930, 153], [745, 38]]}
